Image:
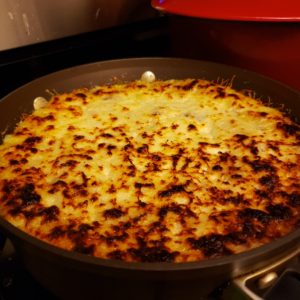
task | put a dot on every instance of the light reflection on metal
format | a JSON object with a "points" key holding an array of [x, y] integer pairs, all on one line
{"points": [[242, 282]]}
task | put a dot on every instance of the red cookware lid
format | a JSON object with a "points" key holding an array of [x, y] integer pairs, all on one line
{"points": [[248, 10]]}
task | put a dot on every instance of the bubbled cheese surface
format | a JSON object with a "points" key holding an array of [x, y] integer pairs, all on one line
{"points": [[178, 170]]}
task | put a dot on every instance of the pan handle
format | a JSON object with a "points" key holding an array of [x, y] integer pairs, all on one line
{"points": [[269, 282]]}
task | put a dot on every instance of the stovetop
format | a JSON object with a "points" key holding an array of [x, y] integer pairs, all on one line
{"points": [[143, 39], [16, 282]]}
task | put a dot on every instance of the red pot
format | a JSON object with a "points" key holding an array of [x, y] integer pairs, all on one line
{"points": [[263, 36]]}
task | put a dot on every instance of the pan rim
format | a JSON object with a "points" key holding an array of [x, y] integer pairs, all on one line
{"points": [[83, 67]]}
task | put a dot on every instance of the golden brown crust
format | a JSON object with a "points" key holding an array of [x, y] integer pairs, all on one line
{"points": [[178, 170]]}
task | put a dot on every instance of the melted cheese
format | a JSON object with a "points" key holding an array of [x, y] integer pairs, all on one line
{"points": [[178, 170]]}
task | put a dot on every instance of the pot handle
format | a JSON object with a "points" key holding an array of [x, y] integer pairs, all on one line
{"points": [[277, 281]]}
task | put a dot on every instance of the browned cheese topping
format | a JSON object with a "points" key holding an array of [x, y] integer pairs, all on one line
{"points": [[177, 170]]}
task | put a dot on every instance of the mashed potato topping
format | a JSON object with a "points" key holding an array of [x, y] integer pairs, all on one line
{"points": [[177, 170]]}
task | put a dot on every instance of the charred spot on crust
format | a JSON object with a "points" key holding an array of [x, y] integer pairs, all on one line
{"points": [[254, 150], [262, 194], [56, 233], [250, 213], [236, 176], [143, 149], [81, 95], [235, 96], [173, 190], [139, 185], [127, 225], [66, 193], [153, 254], [13, 162], [156, 158], [32, 140], [157, 226], [78, 137], [179, 209], [279, 211], [50, 213], [84, 179], [176, 157], [225, 196], [190, 85], [117, 254], [112, 238], [269, 181], [141, 203], [235, 237], [260, 165], [212, 245], [192, 127], [248, 228], [85, 227], [50, 127], [107, 135], [49, 118], [70, 163], [112, 189], [240, 137], [96, 224], [80, 248], [294, 199], [8, 186], [224, 156], [91, 151], [15, 211], [101, 145], [28, 195], [145, 135], [273, 147], [105, 92], [175, 208], [113, 213], [263, 113], [127, 147], [220, 92], [217, 168], [83, 203], [290, 129], [110, 148], [235, 200], [60, 183], [33, 150]]}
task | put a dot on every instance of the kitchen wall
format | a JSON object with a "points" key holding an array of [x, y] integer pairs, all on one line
{"points": [[24, 22]]}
